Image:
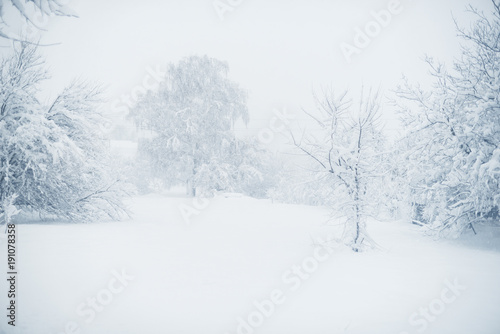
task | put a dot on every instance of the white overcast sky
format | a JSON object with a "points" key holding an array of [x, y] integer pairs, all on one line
{"points": [[278, 50]]}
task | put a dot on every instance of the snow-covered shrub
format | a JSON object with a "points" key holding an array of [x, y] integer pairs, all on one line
{"points": [[298, 186]]}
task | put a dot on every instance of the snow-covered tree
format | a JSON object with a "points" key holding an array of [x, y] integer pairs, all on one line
{"points": [[26, 11], [454, 132], [346, 149], [52, 157], [189, 123], [397, 195]]}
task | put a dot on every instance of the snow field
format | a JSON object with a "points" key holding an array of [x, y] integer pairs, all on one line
{"points": [[243, 265]]}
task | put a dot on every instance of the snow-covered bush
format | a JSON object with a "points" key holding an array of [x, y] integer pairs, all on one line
{"points": [[246, 167], [301, 186], [53, 157]]}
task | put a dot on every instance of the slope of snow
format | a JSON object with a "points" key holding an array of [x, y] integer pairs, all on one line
{"points": [[240, 265]]}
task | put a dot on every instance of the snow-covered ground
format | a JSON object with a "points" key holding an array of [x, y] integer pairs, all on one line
{"points": [[239, 265]]}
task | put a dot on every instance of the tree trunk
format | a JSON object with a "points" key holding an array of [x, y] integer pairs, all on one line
{"points": [[357, 199], [357, 209], [190, 188]]}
